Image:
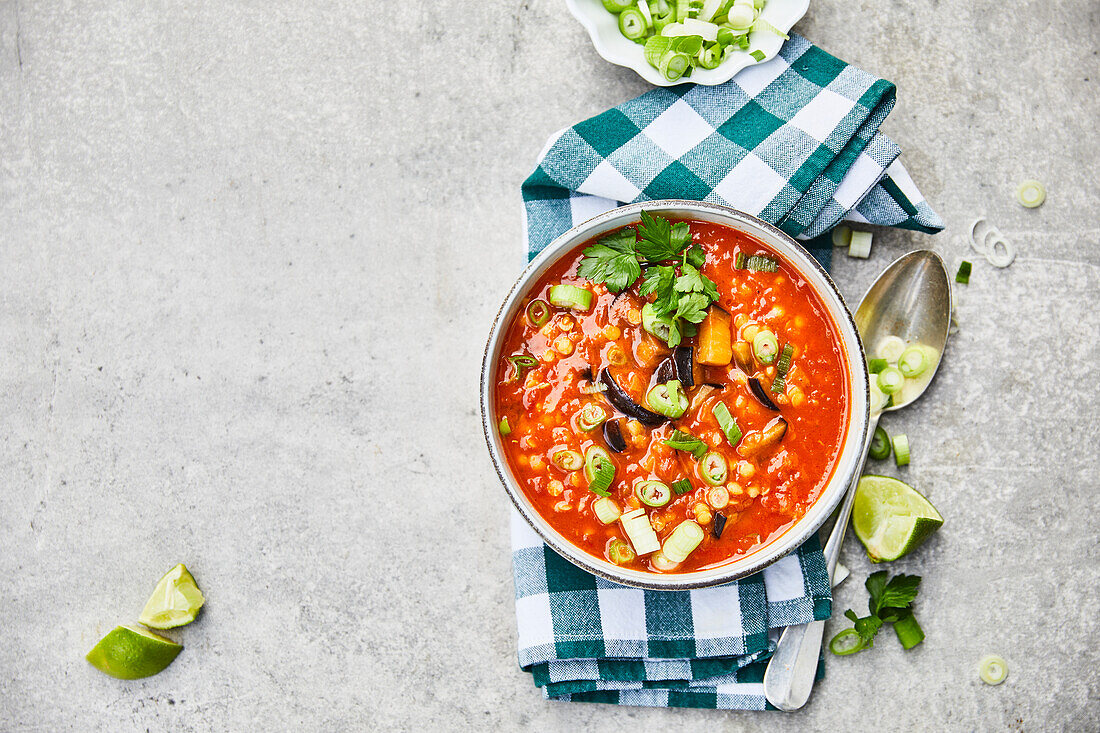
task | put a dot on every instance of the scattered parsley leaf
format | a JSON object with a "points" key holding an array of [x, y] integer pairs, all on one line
{"points": [[696, 256], [692, 307], [692, 280], [898, 593], [660, 281], [660, 240], [889, 603], [612, 261]]}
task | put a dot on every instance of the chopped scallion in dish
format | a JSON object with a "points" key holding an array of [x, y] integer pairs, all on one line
{"points": [[901, 449], [963, 275]]}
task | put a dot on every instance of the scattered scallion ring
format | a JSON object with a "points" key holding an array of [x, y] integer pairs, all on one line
{"points": [[890, 380], [681, 487], [846, 642], [880, 445], [1031, 193], [765, 346], [992, 669], [632, 24], [901, 449], [714, 469], [538, 312], [567, 460], [505, 428], [596, 458], [653, 493], [522, 363], [876, 365], [591, 416], [913, 362], [620, 553]]}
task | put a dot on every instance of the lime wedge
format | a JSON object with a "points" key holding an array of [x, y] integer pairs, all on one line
{"points": [[130, 652], [891, 518], [175, 602]]}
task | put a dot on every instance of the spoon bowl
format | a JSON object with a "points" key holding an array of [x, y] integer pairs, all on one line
{"points": [[910, 300]]}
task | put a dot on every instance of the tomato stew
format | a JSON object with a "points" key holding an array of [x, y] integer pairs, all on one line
{"points": [[680, 459]]}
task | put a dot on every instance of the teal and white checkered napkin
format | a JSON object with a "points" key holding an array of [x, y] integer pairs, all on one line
{"points": [[794, 141]]}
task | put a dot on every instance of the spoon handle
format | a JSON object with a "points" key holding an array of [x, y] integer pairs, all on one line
{"points": [[791, 673]]}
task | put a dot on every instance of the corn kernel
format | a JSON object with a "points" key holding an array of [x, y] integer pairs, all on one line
{"points": [[563, 345], [646, 351], [753, 492], [745, 469], [750, 331], [612, 332], [702, 513], [555, 487], [718, 497], [634, 316], [657, 523], [522, 460], [575, 479], [800, 321], [565, 323], [780, 398], [770, 371], [735, 489], [616, 356], [634, 427], [537, 463], [739, 320], [549, 357], [562, 506]]}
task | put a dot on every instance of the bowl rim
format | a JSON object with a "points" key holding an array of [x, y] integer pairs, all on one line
{"points": [[846, 467], [589, 14]]}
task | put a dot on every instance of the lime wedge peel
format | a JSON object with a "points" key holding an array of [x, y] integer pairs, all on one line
{"points": [[131, 652], [891, 518], [175, 602]]}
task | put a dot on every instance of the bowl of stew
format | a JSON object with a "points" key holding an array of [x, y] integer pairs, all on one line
{"points": [[674, 395]]}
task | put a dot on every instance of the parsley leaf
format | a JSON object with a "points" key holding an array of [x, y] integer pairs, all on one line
{"points": [[867, 627], [889, 603], [661, 240], [692, 307], [696, 256], [686, 442], [612, 260], [896, 594], [692, 280], [660, 280]]}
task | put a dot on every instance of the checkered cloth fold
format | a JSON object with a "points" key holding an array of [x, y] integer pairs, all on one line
{"points": [[794, 141]]}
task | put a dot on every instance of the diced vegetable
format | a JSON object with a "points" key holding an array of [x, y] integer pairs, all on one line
{"points": [[594, 458], [993, 669], [713, 468], [714, 338], [890, 380], [618, 397], [913, 362], [890, 348], [567, 460], [662, 563], [718, 497], [681, 487], [719, 525], [606, 510], [874, 366], [758, 441], [505, 428], [640, 532], [742, 357], [613, 436], [591, 416], [653, 493], [668, 399], [842, 236], [683, 540], [879, 400], [619, 552], [617, 6], [659, 326], [860, 245], [601, 480], [756, 263], [846, 642], [632, 23], [901, 449], [571, 296], [880, 445], [683, 358], [908, 630], [725, 421], [538, 313], [758, 392], [963, 275], [765, 346], [1031, 193], [681, 440]]}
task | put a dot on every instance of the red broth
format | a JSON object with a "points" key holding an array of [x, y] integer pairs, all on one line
{"points": [[767, 487]]}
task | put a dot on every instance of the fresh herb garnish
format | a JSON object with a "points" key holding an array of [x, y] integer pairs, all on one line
{"points": [[686, 442], [662, 254], [890, 603]]}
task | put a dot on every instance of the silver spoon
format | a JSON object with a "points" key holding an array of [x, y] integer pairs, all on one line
{"points": [[911, 300]]}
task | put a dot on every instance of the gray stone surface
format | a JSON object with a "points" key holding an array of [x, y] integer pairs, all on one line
{"points": [[248, 256]]}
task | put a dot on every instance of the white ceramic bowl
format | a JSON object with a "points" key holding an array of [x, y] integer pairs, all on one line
{"points": [[852, 448], [603, 27]]}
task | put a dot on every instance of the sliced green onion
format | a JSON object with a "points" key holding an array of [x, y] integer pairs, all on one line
{"points": [[637, 527], [606, 510], [860, 245], [619, 552], [846, 642], [725, 421], [908, 630], [880, 445], [740, 260], [596, 458], [591, 416], [673, 65], [601, 480], [726, 36], [632, 23], [714, 468], [522, 363], [617, 6], [783, 364], [913, 362], [659, 326], [567, 460], [683, 540], [686, 442], [758, 55], [681, 487], [761, 263], [505, 428], [901, 449], [890, 380], [538, 312], [765, 346], [570, 296], [655, 48], [992, 669], [668, 399], [1031, 193], [842, 236], [963, 275], [710, 57], [592, 388], [740, 17], [763, 25], [890, 349], [653, 493], [874, 366]]}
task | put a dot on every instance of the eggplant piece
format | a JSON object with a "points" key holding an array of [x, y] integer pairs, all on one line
{"points": [[742, 357], [613, 436], [769, 437], [666, 371], [718, 526], [622, 402], [714, 384], [759, 393], [683, 360]]}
